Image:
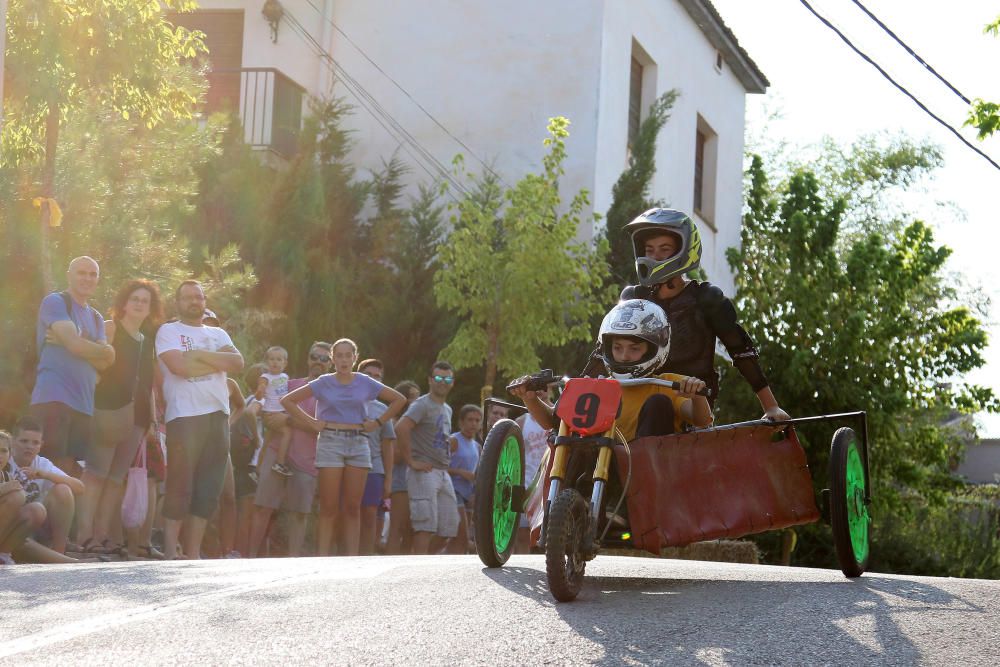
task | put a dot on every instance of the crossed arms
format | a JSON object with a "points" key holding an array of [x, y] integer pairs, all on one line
{"points": [[195, 363], [64, 333]]}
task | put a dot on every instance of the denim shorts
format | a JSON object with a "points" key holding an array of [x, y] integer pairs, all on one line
{"points": [[338, 449]]}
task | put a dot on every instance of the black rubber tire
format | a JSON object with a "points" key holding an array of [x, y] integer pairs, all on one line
{"points": [[486, 477], [844, 440], [567, 527]]}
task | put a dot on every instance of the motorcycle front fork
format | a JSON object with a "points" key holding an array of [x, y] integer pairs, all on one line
{"points": [[600, 479]]}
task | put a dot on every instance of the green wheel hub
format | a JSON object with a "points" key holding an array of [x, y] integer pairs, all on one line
{"points": [[509, 475], [857, 511]]}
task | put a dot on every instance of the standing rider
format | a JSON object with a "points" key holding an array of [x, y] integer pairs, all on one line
{"points": [[667, 246]]}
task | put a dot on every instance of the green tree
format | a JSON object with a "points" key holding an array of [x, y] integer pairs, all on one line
{"points": [[983, 115], [630, 194], [872, 325], [64, 54], [512, 271], [413, 327], [127, 191]]}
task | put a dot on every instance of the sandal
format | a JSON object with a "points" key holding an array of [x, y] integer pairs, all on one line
{"points": [[79, 548], [107, 547], [150, 552]]}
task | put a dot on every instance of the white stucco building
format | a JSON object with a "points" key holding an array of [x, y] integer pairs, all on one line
{"points": [[490, 74]]}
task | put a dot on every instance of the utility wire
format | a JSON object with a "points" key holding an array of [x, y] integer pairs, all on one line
{"points": [[368, 101], [379, 113], [408, 95], [364, 104], [911, 51], [897, 85]]}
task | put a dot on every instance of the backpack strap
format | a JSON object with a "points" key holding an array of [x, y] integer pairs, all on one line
{"points": [[68, 301]]}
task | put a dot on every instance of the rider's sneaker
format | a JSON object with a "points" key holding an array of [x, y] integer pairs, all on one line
{"points": [[282, 469], [6, 559], [233, 554]]}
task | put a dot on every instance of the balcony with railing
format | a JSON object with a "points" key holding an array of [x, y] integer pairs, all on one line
{"points": [[268, 103]]}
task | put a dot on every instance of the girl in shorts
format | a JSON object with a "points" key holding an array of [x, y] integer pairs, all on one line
{"points": [[343, 456]]}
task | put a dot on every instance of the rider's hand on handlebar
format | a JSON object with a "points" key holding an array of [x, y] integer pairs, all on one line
{"points": [[691, 386], [775, 414], [519, 390]]}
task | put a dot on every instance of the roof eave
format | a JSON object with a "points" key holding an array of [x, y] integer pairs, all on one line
{"points": [[722, 38]]}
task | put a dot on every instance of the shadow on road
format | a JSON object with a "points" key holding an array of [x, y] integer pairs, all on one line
{"points": [[662, 620]]}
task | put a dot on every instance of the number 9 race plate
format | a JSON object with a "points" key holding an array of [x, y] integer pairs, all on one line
{"points": [[589, 406]]}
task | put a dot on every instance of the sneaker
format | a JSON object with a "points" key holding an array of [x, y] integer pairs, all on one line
{"points": [[282, 469], [252, 473], [6, 559], [233, 554]]}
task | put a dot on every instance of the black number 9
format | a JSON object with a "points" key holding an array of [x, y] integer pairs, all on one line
{"points": [[586, 410]]}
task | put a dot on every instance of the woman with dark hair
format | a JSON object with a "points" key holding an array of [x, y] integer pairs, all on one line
{"points": [[123, 410]]}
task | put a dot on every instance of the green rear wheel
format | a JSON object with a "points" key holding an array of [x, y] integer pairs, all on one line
{"points": [[849, 515], [497, 506]]}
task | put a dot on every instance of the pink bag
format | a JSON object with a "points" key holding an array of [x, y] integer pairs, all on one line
{"points": [[135, 505]]}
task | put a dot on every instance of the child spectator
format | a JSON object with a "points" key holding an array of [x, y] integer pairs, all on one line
{"points": [[465, 453], [18, 518], [271, 387], [43, 482]]}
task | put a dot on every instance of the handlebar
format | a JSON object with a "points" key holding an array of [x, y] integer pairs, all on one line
{"points": [[662, 383], [540, 382]]}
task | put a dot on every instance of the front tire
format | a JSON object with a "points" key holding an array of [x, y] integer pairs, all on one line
{"points": [[497, 512], [848, 511], [564, 552]]}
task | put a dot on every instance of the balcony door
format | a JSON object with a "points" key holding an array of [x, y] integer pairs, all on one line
{"points": [[223, 30]]}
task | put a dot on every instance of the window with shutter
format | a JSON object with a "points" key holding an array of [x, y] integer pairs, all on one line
{"points": [[634, 101]]}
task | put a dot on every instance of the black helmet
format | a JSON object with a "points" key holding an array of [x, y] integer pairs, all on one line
{"points": [[657, 221]]}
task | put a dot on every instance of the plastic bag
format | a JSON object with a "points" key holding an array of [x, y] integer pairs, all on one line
{"points": [[135, 505]]}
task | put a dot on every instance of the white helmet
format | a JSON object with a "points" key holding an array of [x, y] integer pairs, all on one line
{"points": [[642, 320]]}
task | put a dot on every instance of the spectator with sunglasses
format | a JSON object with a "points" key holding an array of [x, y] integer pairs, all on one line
{"points": [[296, 492], [422, 437]]}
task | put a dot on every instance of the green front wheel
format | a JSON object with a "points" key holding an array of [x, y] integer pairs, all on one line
{"points": [[849, 515], [499, 478]]}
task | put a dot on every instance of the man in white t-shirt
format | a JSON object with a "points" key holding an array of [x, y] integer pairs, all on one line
{"points": [[194, 359], [43, 482]]}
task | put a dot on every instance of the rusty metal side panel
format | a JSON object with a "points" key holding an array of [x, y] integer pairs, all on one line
{"points": [[716, 484]]}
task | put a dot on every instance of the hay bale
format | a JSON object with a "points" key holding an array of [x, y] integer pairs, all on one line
{"points": [[722, 551]]}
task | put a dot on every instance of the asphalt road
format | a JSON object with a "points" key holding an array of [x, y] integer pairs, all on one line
{"points": [[450, 610]]}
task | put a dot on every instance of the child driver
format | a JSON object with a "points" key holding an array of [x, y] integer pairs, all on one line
{"points": [[634, 341]]}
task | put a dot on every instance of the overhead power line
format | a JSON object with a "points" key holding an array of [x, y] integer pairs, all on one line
{"points": [[897, 85], [911, 52], [408, 95], [423, 157]]}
